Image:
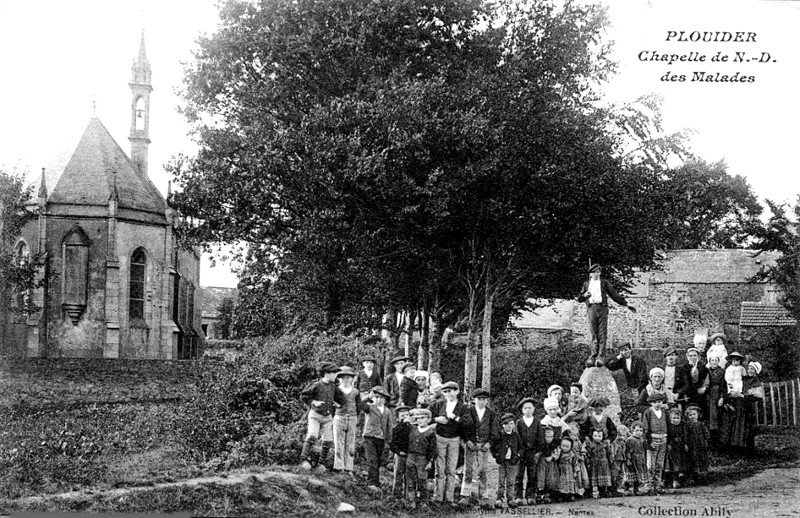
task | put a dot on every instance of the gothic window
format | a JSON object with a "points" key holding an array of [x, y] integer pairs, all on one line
{"points": [[136, 298], [75, 267], [680, 325]]}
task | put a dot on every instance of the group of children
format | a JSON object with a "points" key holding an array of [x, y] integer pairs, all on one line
{"points": [[574, 451]]}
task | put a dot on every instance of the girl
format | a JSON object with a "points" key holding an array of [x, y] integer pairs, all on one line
{"points": [[557, 393], [676, 449], [579, 449], [636, 458], [599, 458], [344, 423], [696, 444], [547, 466], [552, 408], [716, 378], [718, 349], [568, 471], [576, 408], [735, 373]]}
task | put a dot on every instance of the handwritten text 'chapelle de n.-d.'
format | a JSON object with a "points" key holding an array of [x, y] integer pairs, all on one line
{"points": [[704, 62]]}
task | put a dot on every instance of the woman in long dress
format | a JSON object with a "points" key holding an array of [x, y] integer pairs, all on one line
{"points": [[739, 418]]}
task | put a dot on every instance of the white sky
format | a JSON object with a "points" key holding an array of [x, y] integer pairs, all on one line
{"points": [[57, 56]]}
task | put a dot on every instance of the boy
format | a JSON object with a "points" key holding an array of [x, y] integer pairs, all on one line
{"points": [[320, 397], [596, 419], [367, 377], [506, 453], [654, 424], [421, 452], [393, 381], [377, 433], [399, 447], [409, 390], [531, 437], [450, 415], [344, 422], [481, 430]]}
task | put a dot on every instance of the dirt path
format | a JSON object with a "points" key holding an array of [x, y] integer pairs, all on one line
{"points": [[774, 492]]}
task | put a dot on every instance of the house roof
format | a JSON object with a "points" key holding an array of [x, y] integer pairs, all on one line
{"points": [[711, 266], [95, 170], [759, 314], [213, 297]]}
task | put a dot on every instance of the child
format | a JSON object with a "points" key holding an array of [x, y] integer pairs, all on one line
{"points": [[344, 423], [636, 459], [367, 377], [576, 408], [409, 390], [568, 471], [735, 373], [421, 377], [579, 449], [449, 415], [320, 397], [618, 460], [399, 446], [598, 419], [696, 444], [393, 381], [529, 431], [421, 452], [480, 431], [599, 457], [654, 420], [506, 453], [552, 408], [378, 425], [547, 465], [676, 449], [716, 376], [557, 393]]}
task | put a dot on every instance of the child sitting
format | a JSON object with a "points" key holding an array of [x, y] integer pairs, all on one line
{"points": [[421, 452], [506, 454], [696, 444], [618, 460], [547, 467], [636, 459], [320, 397], [599, 460], [399, 446], [676, 449]]}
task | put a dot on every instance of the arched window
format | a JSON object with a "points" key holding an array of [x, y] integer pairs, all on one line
{"points": [[75, 265], [22, 254], [136, 299]]}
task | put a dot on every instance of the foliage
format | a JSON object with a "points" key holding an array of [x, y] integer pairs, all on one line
{"points": [[226, 311], [259, 311]]}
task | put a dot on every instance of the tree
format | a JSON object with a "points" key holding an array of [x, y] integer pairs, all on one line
{"points": [[226, 312]]}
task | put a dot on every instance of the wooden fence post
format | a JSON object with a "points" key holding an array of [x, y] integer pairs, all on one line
{"points": [[772, 404]]}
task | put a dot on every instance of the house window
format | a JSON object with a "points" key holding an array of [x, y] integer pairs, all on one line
{"points": [[136, 299], [773, 295], [681, 295], [680, 325]]}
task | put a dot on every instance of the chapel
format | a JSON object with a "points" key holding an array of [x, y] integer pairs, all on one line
{"points": [[115, 280]]}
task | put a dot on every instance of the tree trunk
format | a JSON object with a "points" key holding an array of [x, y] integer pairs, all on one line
{"points": [[470, 363], [424, 337], [436, 342], [486, 339], [408, 331]]}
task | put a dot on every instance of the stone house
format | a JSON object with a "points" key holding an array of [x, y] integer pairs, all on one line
{"points": [[212, 297], [116, 282], [696, 292]]}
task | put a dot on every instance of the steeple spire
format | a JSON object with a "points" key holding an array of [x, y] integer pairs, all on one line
{"points": [[140, 108]]}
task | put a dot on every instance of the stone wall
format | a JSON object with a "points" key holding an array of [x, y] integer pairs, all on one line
{"points": [[50, 381]]}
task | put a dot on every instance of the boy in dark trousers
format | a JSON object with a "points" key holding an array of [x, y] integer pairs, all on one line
{"points": [[320, 398], [481, 430], [378, 425], [531, 440], [506, 453], [399, 447], [421, 452], [450, 415]]}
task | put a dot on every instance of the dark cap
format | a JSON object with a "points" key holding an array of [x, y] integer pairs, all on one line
{"points": [[327, 367], [508, 416], [598, 401], [368, 358], [402, 408], [670, 350], [450, 385], [694, 407], [406, 366], [399, 359], [377, 389], [480, 392], [735, 354], [595, 268], [656, 396], [346, 370], [626, 345], [526, 400], [576, 384]]}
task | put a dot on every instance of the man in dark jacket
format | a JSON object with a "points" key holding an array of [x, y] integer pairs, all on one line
{"points": [[481, 430], [595, 293], [692, 381], [634, 368], [451, 417]]}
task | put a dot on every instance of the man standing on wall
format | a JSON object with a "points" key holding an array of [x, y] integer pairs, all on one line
{"points": [[595, 293]]}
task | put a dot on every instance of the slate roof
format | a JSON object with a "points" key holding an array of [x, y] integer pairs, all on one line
{"points": [[759, 314], [711, 266], [88, 181]]}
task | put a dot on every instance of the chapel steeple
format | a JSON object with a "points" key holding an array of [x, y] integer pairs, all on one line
{"points": [[140, 108]]}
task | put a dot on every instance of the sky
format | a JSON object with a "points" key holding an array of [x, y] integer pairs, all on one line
{"points": [[61, 62]]}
